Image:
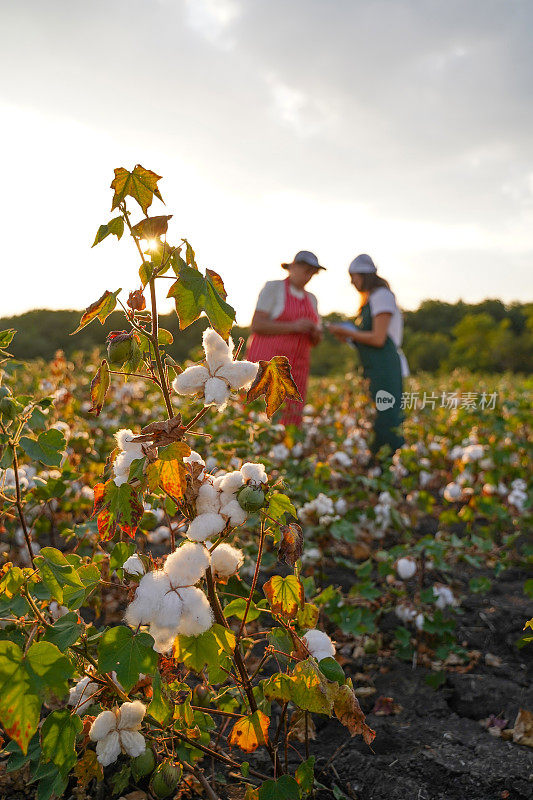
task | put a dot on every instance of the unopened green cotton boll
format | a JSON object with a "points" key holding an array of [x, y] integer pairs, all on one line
{"points": [[251, 499], [143, 764], [165, 780], [119, 348]]}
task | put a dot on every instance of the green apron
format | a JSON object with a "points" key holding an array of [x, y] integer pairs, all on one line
{"points": [[381, 365]]}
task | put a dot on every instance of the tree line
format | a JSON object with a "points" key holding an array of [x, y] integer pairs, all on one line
{"points": [[439, 337]]}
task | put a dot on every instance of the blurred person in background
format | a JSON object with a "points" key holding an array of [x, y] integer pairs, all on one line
{"points": [[378, 338], [286, 323]]}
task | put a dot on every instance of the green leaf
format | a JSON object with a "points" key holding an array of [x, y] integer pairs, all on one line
{"points": [[58, 738], [237, 607], [99, 386], [120, 553], [304, 775], [120, 779], [435, 679], [24, 682], [101, 308], [196, 652], [141, 184], [114, 226], [195, 293], [56, 572], [47, 448], [279, 504], [160, 709], [64, 632], [128, 654], [5, 340], [285, 788], [74, 596], [332, 670]]}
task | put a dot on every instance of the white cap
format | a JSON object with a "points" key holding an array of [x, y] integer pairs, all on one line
{"points": [[305, 257], [363, 265]]}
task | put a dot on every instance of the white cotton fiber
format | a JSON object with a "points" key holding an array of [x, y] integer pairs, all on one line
{"points": [[406, 568], [205, 525], [235, 514], [226, 560], [231, 482], [102, 725], [108, 749], [133, 565], [208, 501], [187, 564], [191, 380], [238, 373], [197, 616], [133, 743], [217, 352], [151, 589], [194, 458], [162, 643], [131, 715], [168, 613], [319, 644], [254, 473], [124, 438], [81, 695], [216, 392]]}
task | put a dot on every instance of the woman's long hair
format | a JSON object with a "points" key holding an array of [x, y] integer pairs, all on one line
{"points": [[371, 282]]}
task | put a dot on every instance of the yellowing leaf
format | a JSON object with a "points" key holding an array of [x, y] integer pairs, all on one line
{"points": [[102, 308], [141, 184], [348, 711], [99, 387], [285, 595], [88, 768], [250, 732], [169, 472], [275, 381], [114, 226], [529, 624], [310, 689], [194, 294], [152, 227]]}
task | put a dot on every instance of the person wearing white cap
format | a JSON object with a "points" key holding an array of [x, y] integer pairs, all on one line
{"points": [[378, 338], [286, 323]]}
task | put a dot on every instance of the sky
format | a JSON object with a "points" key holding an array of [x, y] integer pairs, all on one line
{"points": [[399, 128]]}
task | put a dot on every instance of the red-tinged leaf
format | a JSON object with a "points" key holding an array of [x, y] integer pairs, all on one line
{"points": [[106, 525], [101, 309], [250, 732], [169, 472], [99, 386], [141, 184], [217, 282], [88, 769], [99, 492], [274, 380], [136, 300], [151, 227], [291, 544], [285, 595], [116, 507]]}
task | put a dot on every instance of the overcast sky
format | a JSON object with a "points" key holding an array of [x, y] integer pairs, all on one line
{"points": [[401, 128]]}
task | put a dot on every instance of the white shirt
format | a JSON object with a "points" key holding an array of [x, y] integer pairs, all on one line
{"points": [[271, 298], [382, 301]]}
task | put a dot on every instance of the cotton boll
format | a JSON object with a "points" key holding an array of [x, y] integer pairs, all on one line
{"points": [[133, 743], [205, 525], [124, 438], [419, 622], [159, 535], [191, 381], [131, 715], [208, 501], [406, 568], [216, 393], [231, 482], [162, 643], [445, 596], [226, 560], [452, 492], [102, 725], [197, 616], [133, 565], [168, 613], [194, 458], [217, 352], [341, 506], [187, 564], [405, 612], [108, 749], [80, 696], [150, 591], [238, 373], [235, 514], [254, 473], [318, 642]]}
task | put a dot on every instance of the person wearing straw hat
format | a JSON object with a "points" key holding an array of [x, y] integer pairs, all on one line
{"points": [[286, 323], [378, 338]]}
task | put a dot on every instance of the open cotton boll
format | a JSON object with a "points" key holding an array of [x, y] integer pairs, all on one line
{"points": [[405, 612], [197, 616], [216, 393], [131, 715], [254, 473], [104, 723], [124, 438], [226, 560], [445, 596], [191, 380], [205, 525], [133, 565], [168, 613], [81, 695], [406, 568], [133, 743], [162, 642], [108, 749], [187, 564], [152, 588], [194, 458], [318, 643], [231, 482], [238, 373], [452, 492], [217, 352], [208, 499], [235, 514]]}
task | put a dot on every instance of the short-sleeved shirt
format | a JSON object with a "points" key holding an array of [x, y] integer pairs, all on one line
{"points": [[271, 298], [382, 301]]}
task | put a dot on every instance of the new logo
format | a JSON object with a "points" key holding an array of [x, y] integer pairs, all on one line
{"points": [[384, 400]]}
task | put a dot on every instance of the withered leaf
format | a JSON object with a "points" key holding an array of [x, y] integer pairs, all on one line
{"points": [[162, 433], [99, 386], [100, 309], [250, 732], [297, 726], [291, 544], [152, 227], [348, 711], [274, 380]]}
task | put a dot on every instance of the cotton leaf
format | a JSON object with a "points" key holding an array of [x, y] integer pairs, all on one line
{"points": [[250, 732], [194, 294], [285, 595], [99, 386], [141, 184], [101, 308], [275, 381], [348, 711], [151, 227], [291, 544], [114, 226]]}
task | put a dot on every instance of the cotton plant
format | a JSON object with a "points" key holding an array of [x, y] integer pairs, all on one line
{"points": [[319, 644], [221, 375], [118, 731]]}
